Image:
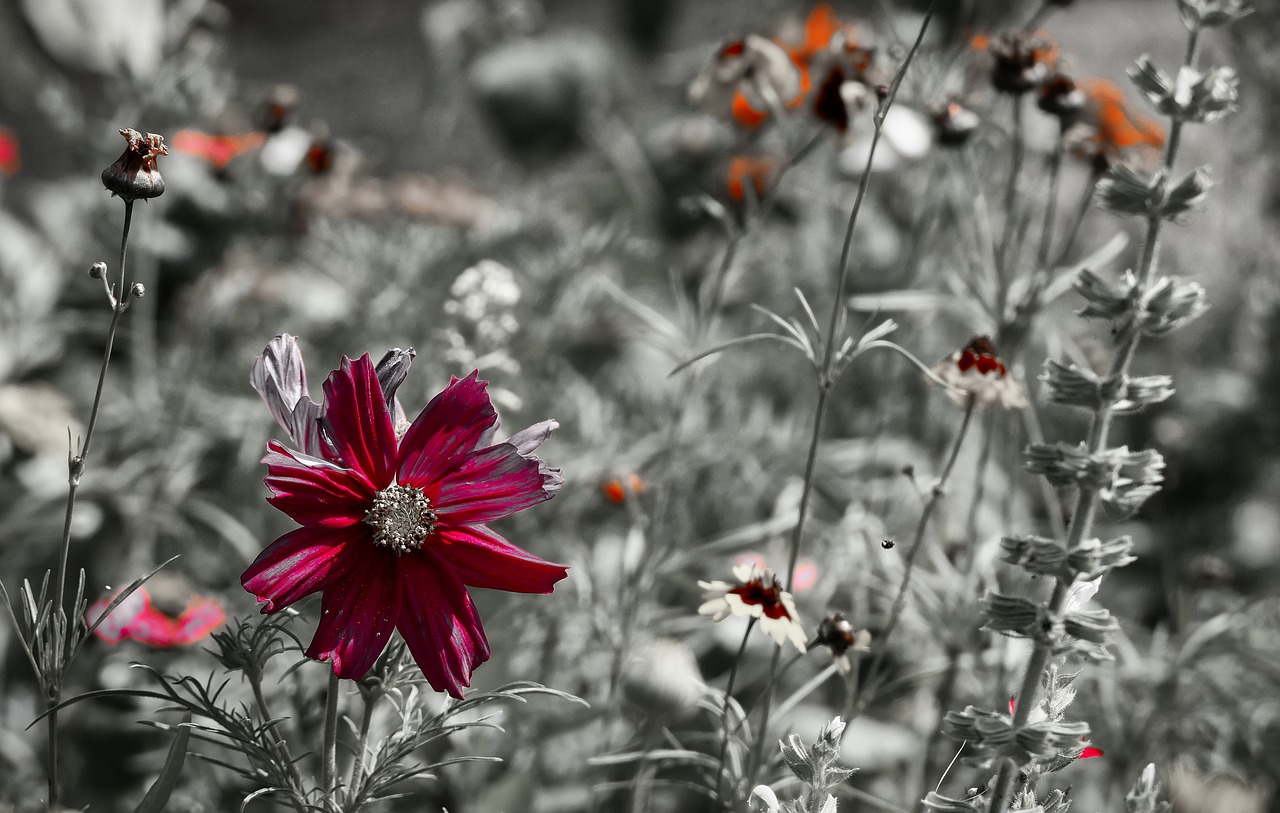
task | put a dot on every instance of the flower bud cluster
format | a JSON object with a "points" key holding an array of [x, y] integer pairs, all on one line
{"points": [[1195, 96], [817, 765], [1041, 556], [1070, 385], [1127, 193], [995, 735]]}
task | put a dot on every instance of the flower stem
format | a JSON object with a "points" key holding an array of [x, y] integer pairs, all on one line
{"points": [[900, 601], [1087, 500], [1004, 262], [828, 356], [329, 777], [728, 694], [366, 721], [75, 470], [281, 748]]}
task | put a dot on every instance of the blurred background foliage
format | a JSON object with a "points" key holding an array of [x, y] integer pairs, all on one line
{"points": [[508, 184]]}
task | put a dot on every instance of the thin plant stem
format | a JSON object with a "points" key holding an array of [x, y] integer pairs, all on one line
{"points": [[282, 749], [1018, 153], [1087, 500], [329, 776], [75, 470], [728, 694], [1082, 210], [362, 741], [900, 601]]}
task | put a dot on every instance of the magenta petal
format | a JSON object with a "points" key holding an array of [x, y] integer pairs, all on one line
{"points": [[358, 614], [445, 431], [314, 491], [482, 558], [491, 484], [440, 624], [358, 421], [302, 562]]}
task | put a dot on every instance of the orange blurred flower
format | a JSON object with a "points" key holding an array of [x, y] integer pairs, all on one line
{"points": [[1115, 129], [744, 170], [616, 493]]}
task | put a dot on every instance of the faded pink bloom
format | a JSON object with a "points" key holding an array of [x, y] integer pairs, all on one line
{"points": [[394, 527], [137, 619]]}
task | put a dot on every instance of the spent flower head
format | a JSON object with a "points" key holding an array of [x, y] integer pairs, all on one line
{"points": [[757, 594], [134, 175], [395, 527], [839, 635]]}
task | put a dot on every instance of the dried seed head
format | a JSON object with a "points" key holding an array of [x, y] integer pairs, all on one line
{"points": [[134, 175]]}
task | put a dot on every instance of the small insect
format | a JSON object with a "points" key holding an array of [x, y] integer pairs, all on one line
{"points": [[886, 543]]}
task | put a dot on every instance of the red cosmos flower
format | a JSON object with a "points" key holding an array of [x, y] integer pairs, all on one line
{"points": [[220, 149], [9, 152], [136, 618], [394, 525]]}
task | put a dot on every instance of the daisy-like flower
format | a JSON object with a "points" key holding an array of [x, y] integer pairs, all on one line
{"points": [[757, 594], [837, 634], [395, 523], [977, 372]]}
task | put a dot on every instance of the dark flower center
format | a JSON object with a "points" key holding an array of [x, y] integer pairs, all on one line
{"points": [[401, 518], [768, 596]]}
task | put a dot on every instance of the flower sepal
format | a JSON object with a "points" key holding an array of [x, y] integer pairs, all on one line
{"points": [[1197, 14], [1050, 557], [1194, 96], [994, 734]]}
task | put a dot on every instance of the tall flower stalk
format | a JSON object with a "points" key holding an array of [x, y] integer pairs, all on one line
{"points": [[1138, 305], [828, 368]]}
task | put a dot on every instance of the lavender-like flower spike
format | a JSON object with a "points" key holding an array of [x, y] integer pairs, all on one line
{"points": [[280, 377]]}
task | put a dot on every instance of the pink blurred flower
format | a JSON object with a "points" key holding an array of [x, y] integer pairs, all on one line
{"points": [[137, 619], [394, 527]]}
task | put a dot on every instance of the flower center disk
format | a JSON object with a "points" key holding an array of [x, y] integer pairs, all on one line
{"points": [[402, 518]]}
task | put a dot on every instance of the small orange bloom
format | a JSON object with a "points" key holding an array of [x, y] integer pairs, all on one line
{"points": [[745, 114], [614, 492], [748, 169]]}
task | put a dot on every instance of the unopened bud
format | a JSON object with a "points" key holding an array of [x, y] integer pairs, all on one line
{"points": [[138, 291], [98, 270]]}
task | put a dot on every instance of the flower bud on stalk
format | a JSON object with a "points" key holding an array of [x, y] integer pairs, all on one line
{"points": [[134, 175]]}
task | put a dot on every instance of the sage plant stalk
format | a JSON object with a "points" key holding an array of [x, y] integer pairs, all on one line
{"points": [[1139, 304]]}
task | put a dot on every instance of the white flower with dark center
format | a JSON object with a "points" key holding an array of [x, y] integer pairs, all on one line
{"points": [[758, 595], [977, 372]]}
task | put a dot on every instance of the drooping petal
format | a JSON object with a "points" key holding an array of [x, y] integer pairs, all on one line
{"points": [[315, 492], [280, 378], [357, 615], [392, 370], [440, 623], [493, 483], [482, 558], [528, 440], [302, 562], [445, 431], [358, 421]]}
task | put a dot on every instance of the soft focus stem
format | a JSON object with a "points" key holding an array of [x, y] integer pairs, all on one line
{"points": [[329, 777], [900, 601], [254, 676], [728, 694], [828, 356], [1087, 501], [366, 722]]}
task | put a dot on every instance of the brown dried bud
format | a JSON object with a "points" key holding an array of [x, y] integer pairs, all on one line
{"points": [[1059, 97], [134, 174]]}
